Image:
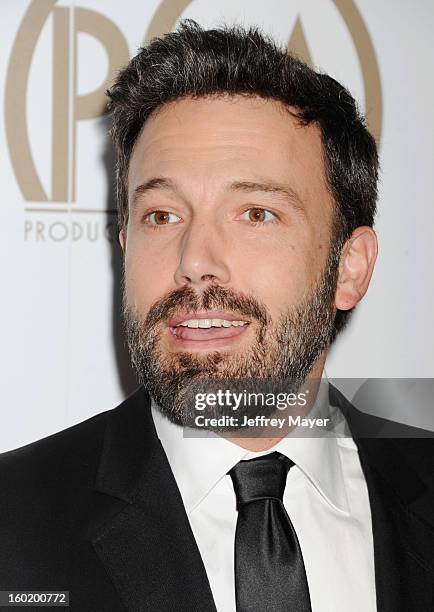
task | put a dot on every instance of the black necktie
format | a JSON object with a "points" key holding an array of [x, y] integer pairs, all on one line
{"points": [[269, 568]]}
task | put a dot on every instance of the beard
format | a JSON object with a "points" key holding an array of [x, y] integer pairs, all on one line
{"points": [[279, 358]]}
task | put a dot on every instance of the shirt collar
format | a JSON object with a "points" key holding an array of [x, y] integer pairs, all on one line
{"points": [[198, 463]]}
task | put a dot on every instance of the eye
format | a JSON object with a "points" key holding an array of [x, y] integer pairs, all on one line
{"points": [[258, 215], [161, 217]]}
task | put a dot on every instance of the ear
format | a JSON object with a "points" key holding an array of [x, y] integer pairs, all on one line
{"points": [[122, 239], [355, 268]]}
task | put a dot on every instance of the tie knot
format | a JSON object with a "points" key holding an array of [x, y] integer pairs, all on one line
{"points": [[260, 478]]}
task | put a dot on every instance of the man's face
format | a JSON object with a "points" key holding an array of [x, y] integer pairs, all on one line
{"points": [[229, 220]]}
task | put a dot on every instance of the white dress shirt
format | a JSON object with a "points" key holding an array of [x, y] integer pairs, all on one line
{"points": [[326, 498]]}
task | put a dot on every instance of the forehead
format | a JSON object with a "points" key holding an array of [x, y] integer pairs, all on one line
{"points": [[212, 139]]}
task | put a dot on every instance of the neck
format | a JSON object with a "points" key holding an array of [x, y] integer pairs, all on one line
{"points": [[267, 437]]}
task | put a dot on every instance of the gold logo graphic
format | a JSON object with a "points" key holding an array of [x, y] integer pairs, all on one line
{"points": [[69, 108]]}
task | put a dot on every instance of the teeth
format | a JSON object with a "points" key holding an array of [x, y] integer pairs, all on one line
{"points": [[207, 323]]}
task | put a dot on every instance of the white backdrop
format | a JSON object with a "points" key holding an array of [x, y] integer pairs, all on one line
{"points": [[62, 353]]}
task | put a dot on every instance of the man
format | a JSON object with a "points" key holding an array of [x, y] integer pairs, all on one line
{"points": [[247, 188]]}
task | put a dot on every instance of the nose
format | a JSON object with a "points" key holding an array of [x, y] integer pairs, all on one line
{"points": [[202, 258]]}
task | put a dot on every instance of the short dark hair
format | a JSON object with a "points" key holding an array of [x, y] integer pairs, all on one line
{"points": [[193, 62]]}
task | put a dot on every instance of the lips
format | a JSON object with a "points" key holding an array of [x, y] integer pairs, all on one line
{"points": [[195, 336], [201, 335], [208, 314]]}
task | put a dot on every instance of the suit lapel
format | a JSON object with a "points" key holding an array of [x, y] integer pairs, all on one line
{"points": [[145, 543], [401, 509]]}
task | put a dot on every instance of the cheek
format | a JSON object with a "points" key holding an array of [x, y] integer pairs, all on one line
{"points": [[276, 276], [147, 276]]}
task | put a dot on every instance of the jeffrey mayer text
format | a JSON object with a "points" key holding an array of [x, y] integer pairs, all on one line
{"points": [[260, 421]]}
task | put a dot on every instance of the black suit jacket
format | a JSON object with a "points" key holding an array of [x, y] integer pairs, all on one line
{"points": [[95, 510]]}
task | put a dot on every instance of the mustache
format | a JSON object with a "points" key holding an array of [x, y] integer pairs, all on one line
{"points": [[212, 298]]}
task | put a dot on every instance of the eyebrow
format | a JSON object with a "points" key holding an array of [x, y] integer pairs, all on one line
{"points": [[282, 189], [266, 186]]}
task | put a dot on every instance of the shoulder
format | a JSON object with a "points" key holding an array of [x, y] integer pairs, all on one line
{"points": [[366, 425], [49, 504], [68, 457], [389, 446], [41, 465]]}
